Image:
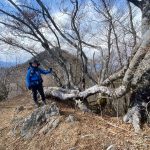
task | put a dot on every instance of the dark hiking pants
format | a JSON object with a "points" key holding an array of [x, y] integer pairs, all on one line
{"points": [[35, 89]]}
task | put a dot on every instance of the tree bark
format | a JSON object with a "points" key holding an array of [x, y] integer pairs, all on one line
{"points": [[138, 68], [63, 94]]}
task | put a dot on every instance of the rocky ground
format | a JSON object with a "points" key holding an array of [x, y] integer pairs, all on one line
{"points": [[81, 131]]}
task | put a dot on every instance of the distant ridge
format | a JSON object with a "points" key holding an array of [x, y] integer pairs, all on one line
{"points": [[7, 64]]}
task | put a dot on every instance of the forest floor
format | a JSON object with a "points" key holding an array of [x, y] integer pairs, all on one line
{"points": [[89, 132]]}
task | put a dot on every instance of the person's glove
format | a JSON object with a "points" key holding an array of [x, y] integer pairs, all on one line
{"points": [[50, 69]]}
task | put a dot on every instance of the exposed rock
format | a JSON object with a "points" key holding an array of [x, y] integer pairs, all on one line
{"points": [[50, 126], [88, 136], [16, 119], [52, 110], [17, 123], [55, 123], [31, 125], [111, 147], [70, 119], [73, 148]]}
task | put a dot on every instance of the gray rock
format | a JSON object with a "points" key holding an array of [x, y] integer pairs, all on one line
{"points": [[53, 110], [55, 123], [111, 147], [44, 130], [16, 120], [50, 126], [71, 119], [39, 116], [17, 123], [73, 148]]}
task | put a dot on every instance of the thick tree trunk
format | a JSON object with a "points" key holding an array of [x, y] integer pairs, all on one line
{"points": [[139, 72], [144, 65], [145, 16]]}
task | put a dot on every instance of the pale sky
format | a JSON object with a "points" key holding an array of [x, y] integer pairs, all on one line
{"points": [[21, 56]]}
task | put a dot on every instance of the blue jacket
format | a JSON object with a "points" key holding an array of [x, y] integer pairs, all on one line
{"points": [[33, 76]]}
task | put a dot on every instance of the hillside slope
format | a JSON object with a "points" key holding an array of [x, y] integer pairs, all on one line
{"points": [[89, 132], [16, 74]]}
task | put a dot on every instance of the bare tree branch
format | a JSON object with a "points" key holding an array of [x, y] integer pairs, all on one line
{"points": [[136, 3]]}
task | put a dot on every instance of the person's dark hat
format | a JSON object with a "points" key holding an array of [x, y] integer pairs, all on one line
{"points": [[34, 62]]}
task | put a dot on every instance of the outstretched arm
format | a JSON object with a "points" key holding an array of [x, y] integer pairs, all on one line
{"points": [[45, 71]]}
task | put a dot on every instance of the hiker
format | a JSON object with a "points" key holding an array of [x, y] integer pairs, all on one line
{"points": [[34, 80]]}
